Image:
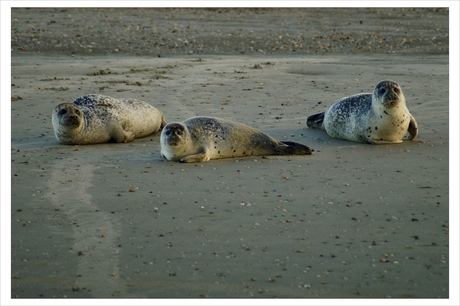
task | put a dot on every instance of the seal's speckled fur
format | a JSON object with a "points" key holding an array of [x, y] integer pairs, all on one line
{"points": [[378, 118], [200, 139], [98, 119]]}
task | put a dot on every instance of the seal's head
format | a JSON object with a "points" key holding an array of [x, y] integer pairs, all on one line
{"points": [[67, 115], [176, 141], [174, 134], [388, 94], [68, 121]]}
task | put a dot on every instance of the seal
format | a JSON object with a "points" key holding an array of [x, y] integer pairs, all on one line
{"points": [[378, 118], [95, 119], [200, 139]]}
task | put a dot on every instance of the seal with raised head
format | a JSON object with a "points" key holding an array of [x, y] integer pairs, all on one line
{"points": [[95, 119], [378, 118], [200, 139]]}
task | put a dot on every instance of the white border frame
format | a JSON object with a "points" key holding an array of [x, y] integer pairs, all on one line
{"points": [[454, 153]]}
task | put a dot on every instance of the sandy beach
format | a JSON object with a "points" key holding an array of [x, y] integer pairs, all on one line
{"points": [[117, 221]]}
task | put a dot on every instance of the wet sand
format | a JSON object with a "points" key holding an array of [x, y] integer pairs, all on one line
{"points": [[117, 221]]}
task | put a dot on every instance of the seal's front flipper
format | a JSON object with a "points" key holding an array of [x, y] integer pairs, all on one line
{"points": [[118, 134], [196, 158], [316, 121], [413, 128]]}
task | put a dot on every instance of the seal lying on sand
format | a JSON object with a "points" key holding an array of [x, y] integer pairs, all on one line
{"points": [[378, 118], [98, 119], [200, 139]]}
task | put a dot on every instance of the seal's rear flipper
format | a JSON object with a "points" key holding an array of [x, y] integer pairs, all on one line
{"points": [[316, 121], [294, 148]]}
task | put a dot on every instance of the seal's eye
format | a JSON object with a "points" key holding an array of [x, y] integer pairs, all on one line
{"points": [[167, 133], [62, 112], [382, 91], [77, 112], [180, 133]]}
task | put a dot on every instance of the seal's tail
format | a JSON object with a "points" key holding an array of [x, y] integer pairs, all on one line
{"points": [[316, 121], [294, 148]]}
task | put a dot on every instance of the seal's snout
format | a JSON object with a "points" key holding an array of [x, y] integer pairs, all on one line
{"points": [[392, 97], [391, 104], [70, 120], [391, 100], [389, 93], [173, 134], [393, 93], [173, 139]]}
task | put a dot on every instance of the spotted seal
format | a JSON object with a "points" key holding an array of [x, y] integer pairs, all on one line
{"points": [[377, 118], [95, 119], [200, 139]]}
